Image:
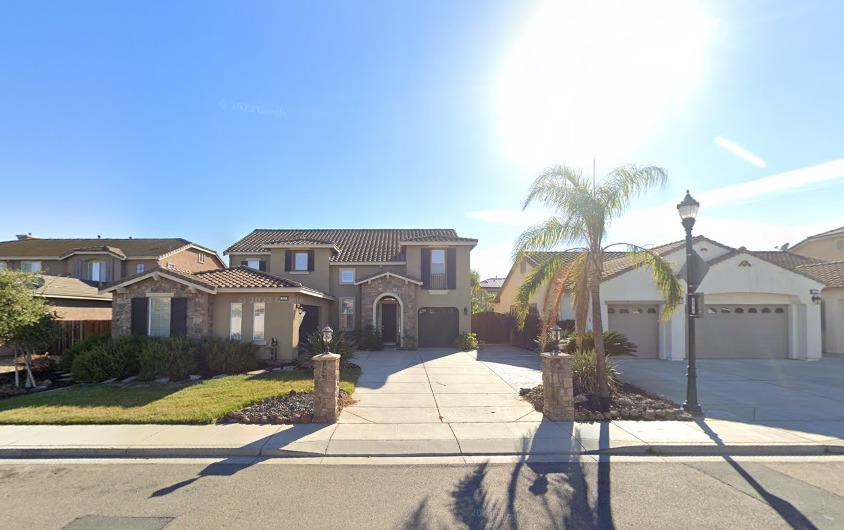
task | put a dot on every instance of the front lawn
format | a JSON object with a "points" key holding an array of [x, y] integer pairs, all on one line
{"points": [[183, 402]]}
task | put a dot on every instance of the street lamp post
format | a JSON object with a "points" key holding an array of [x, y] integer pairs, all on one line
{"points": [[688, 211]]}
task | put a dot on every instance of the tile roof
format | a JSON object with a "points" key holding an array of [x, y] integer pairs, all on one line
{"points": [[58, 247], [102, 248], [785, 259], [830, 273], [64, 287], [492, 283], [356, 245], [440, 238], [243, 277]]}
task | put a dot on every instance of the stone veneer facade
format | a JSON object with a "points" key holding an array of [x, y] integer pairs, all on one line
{"points": [[198, 305], [404, 291]]}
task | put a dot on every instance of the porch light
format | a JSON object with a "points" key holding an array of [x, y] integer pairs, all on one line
{"points": [[688, 208], [327, 332], [555, 333]]}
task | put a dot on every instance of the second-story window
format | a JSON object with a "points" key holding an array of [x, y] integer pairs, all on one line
{"points": [[257, 264], [300, 261], [438, 274], [96, 271], [200, 258], [139, 268], [347, 276]]}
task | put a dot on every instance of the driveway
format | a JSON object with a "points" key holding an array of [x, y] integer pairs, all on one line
{"points": [[432, 386], [750, 390]]}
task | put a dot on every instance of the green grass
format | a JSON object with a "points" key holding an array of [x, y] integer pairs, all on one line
{"points": [[183, 402]]}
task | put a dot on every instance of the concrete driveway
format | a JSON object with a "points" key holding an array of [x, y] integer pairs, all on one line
{"points": [[750, 390], [432, 386]]}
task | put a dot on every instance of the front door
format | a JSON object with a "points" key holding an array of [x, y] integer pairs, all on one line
{"points": [[388, 323], [310, 323]]}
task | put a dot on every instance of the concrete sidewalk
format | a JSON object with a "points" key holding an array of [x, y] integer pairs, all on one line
{"points": [[709, 437]]}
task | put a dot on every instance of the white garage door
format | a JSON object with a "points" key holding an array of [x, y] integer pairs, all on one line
{"points": [[640, 323], [743, 332]]}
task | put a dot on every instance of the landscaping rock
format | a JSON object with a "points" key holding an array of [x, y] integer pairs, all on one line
{"points": [[163, 380], [288, 368], [276, 369], [218, 376], [109, 381], [256, 372], [194, 377], [129, 379], [295, 407]]}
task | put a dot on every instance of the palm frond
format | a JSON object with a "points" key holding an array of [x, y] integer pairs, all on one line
{"points": [[553, 184], [627, 182], [547, 235], [544, 271], [663, 275]]}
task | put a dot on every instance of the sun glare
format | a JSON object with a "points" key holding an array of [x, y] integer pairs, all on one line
{"points": [[588, 79]]}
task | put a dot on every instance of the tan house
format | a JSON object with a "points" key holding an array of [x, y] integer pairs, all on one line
{"points": [[826, 246], [409, 284]]}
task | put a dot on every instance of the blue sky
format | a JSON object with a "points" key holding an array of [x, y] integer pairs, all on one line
{"points": [[205, 120]]}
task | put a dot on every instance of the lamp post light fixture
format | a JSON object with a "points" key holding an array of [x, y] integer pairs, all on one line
{"points": [[327, 332], [688, 212], [555, 333]]}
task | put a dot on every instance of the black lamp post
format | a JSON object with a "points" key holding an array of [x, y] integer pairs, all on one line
{"points": [[688, 211], [555, 333], [326, 337]]}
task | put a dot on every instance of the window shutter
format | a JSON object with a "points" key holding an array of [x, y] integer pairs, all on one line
{"points": [[178, 317], [426, 268], [78, 269], [451, 268], [288, 260], [140, 307], [244, 263], [262, 266], [310, 260]]}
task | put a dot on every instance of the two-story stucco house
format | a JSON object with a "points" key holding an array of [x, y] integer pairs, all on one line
{"points": [[283, 284], [73, 269]]}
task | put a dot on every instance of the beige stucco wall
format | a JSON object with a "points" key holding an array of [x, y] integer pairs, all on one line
{"points": [[460, 297], [188, 260], [833, 302], [52, 267], [823, 249]]}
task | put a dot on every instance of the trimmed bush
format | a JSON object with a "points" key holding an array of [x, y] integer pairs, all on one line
{"points": [[370, 340], [100, 362], [66, 362], [615, 343], [584, 371], [175, 358], [466, 342], [217, 355]]}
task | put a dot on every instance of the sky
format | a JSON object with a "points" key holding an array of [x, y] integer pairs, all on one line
{"points": [[205, 120]]}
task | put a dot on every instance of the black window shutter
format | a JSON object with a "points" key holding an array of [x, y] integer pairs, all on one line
{"points": [[178, 317], [426, 268], [451, 268], [262, 265], [288, 260], [140, 306], [311, 260], [244, 263]]}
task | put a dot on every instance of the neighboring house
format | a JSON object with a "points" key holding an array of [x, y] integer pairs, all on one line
{"points": [[492, 285], [101, 260], [758, 304], [826, 246], [74, 299], [832, 306], [286, 283]]}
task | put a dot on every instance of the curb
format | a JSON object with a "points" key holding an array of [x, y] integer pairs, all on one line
{"points": [[226, 452]]}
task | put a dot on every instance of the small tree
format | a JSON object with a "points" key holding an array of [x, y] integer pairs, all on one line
{"points": [[27, 322], [480, 298]]}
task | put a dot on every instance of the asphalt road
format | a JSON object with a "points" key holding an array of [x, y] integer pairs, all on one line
{"points": [[633, 493]]}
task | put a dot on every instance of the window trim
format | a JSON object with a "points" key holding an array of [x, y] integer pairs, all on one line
{"points": [[263, 338], [347, 269], [200, 257], [296, 254], [342, 315], [139, 268], [89, 270], [159, 296], [257, 263], [231, 321]]}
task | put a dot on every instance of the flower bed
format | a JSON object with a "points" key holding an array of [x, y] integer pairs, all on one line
{"points": [[628, 402], [295, 407]]}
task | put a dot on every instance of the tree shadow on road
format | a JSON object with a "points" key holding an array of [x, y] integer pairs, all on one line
{"points": [[789, 513]]}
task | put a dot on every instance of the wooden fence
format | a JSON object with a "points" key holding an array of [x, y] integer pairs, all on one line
{"points": [[75, 331], [497, 328]]}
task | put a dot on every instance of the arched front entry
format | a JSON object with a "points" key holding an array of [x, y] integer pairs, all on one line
{"points": [[388, 314]]}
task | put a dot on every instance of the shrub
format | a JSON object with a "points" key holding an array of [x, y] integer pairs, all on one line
{"points": [[66, 362], [341, 343], [466, 342], [370, 339], [584, 372], [217, 355], [152, 360], [99, 362], [175, 358], [615, 343]]}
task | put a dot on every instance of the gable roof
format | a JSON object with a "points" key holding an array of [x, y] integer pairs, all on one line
{"points": [[69, 288], [61, 248], [829, 233], [783, 259], [388, 274], [363, 245], [492, 283], [830, 273]]}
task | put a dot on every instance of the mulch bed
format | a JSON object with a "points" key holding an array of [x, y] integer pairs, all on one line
{"points": [[295, 407], [628, 402]]}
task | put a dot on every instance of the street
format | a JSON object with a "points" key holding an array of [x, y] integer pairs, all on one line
{"points": [[643, 492]]}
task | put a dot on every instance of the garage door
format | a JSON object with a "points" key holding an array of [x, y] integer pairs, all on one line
{"points": [[640, 324], [743, 332], [438, 326]]}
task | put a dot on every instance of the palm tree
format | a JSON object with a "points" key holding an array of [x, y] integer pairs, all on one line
{"points": [[583, 211]]}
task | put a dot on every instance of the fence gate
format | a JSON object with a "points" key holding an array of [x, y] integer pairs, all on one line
{"points": [[492, 328]]}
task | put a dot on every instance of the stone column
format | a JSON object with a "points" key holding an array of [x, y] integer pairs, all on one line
{"points": [[557, 387], [326, 387]]}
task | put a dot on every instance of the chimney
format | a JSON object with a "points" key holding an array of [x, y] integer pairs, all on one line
{"points": [[28, 235]]}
